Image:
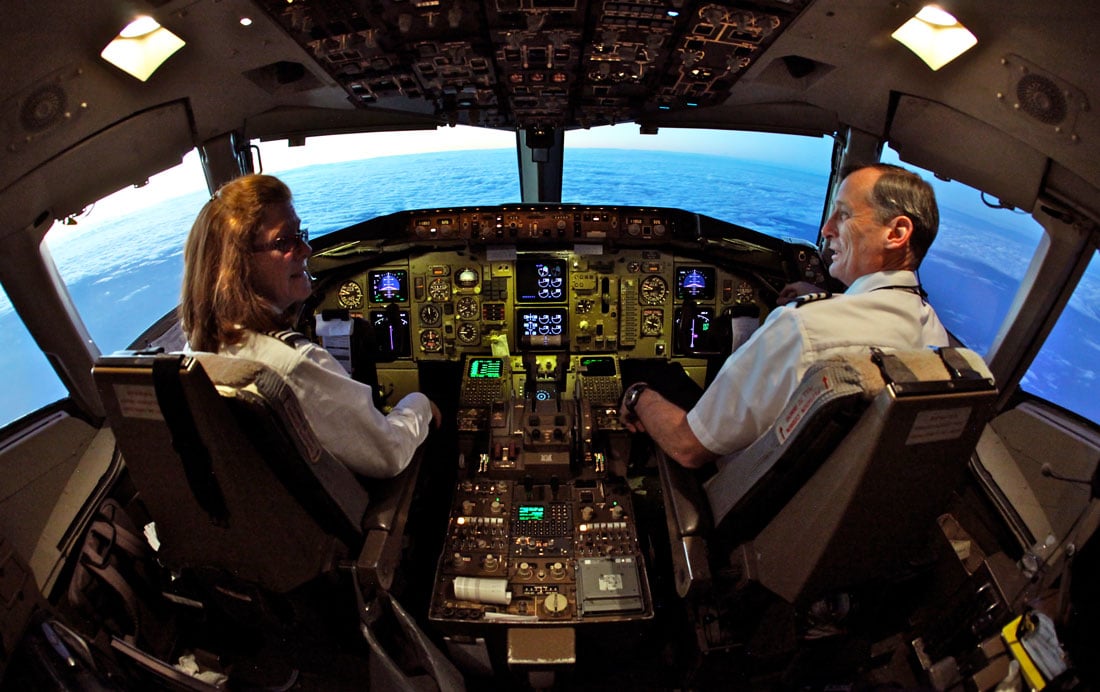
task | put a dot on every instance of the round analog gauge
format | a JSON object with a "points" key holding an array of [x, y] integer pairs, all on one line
{"points": [[466, 278], [653, 290], [429, 314], [652, 321], [350, 295], [439, 290], [467, 333], [430, 341], [466, 307]]}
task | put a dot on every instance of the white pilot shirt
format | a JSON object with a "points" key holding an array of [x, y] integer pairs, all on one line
{"points": [[339, 409], [758, 379]]}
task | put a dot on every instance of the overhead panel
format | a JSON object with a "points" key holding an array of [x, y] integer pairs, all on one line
{"points": [[535, 63]]}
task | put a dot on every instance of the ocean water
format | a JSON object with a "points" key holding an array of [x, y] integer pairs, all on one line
{"points": [[124, 273]]}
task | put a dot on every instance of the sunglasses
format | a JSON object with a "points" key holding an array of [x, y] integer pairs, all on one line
{"points": [[285, 243]]}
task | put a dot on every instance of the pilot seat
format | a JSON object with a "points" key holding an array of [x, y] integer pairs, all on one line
{"points": [[837, 500], [256, 522]]}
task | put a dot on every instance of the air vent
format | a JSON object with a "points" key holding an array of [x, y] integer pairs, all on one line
{"points": [[794, 72], [282, 77]]}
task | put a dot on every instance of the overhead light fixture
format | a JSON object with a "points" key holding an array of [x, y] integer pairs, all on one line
{"points": [[935, 36], [141, 47]]}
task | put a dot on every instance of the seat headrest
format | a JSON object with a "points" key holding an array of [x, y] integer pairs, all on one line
{"points": [[254, 383], [830, 396]]}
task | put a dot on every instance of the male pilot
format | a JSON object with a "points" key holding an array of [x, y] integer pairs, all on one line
{"points": [[884, 219]]}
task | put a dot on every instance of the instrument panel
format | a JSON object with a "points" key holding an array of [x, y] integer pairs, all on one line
{"points": [[454, 303]]}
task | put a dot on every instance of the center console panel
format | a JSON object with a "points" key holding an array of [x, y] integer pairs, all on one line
{"points": [[541, 530]]}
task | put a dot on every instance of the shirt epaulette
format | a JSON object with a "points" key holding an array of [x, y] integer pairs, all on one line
{"points": [[811, 298], [290, 337]]}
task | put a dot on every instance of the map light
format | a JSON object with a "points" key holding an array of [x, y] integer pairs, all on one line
{"points": [[935, 36]]}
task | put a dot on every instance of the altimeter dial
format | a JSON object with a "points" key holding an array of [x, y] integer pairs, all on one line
{"points": [[466, 307]]}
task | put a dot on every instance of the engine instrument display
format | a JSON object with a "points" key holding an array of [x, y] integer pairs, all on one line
{"points": [[540, 281]]}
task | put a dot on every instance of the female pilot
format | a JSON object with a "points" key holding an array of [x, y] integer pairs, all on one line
{"points": [[244, 281]]}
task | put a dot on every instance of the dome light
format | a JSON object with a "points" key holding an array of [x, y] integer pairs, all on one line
{"points": [[935, 36], [141, 47]]}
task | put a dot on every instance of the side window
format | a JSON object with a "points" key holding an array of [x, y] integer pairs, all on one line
{"points": [[122, 261], [1064, 370], [979, 258], [29, 381]]}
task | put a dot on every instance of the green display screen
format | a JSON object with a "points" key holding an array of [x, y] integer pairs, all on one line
{"points": [[598, 366], [531, 513], [490, 368]]}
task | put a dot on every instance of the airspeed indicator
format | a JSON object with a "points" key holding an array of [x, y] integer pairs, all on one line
{"points": [[350, 295]]}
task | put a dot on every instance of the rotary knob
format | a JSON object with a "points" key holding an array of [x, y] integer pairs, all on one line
{"points": [[555, 603]]}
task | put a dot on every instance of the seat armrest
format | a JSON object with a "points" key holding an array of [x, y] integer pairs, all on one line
{"points": [[684, 499], [384, 526], [688, 519]]}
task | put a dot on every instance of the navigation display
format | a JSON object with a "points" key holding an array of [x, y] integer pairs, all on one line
{"points": [[695, 282], [700, 328], [540, 281], [541, 327], [391, 332], [389, 286]]}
